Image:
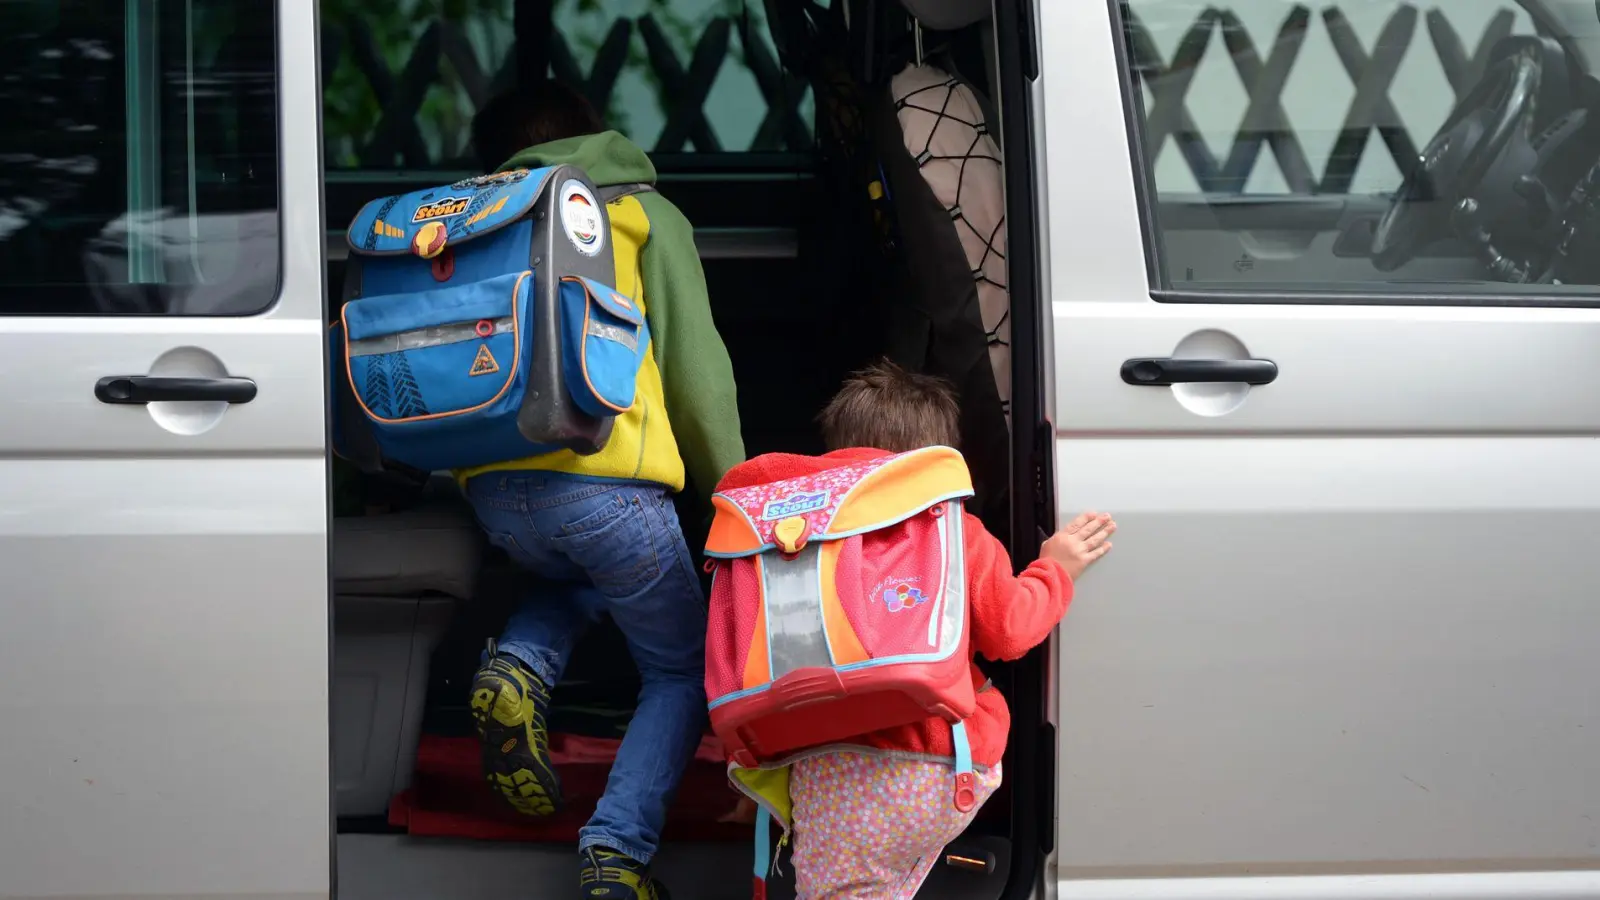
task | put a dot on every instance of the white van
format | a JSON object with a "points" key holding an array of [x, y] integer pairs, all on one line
{"points": [[1283, 282]]}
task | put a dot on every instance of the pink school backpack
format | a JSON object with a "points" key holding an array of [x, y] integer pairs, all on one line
{"points": [[839, 607]]}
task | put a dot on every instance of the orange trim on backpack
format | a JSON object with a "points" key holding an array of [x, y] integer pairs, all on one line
{"points": [[757, 669], [900, 488], [843, 643], [732, 532]]}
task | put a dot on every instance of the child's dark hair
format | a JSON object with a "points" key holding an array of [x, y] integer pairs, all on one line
{"points": [[887, 407], [525, 117]]}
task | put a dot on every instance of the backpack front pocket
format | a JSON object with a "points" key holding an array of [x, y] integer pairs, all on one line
{"points": [[428, 355], [604, 340]]}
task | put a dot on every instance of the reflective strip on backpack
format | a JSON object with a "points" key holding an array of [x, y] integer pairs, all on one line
{"points": [[953, 599], [796, 638], [430, 336]]}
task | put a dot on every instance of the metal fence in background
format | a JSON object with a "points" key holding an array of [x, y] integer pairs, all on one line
{"points": [[397, 140], [1265, 122]]}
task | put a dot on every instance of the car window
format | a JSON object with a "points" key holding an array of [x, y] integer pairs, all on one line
{"points": [[404, 77], [138, 160], [1370, 151]]}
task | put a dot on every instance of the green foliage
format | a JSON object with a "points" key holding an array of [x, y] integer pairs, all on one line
{"points": [[351, 111]]}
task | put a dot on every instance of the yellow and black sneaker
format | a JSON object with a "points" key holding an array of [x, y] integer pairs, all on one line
{"points": [[608, 875], [508, 705]]}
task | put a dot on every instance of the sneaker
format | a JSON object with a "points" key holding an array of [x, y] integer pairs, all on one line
{"points": [[608, 875], [508, 705]]}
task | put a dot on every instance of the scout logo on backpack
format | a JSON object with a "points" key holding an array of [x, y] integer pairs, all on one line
{"points": [[802, 651], [794, 505], [486, 329], [439, 209]]}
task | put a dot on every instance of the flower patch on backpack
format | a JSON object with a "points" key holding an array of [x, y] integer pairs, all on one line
{"points": [[901, 594]]}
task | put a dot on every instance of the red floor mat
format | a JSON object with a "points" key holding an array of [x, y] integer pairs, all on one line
{"points": [[448, 797]]}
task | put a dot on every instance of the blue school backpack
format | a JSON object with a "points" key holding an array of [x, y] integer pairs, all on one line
{"points": [[480, 325]]}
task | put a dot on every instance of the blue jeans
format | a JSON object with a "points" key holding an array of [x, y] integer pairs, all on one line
{"points": [[617, 548]]}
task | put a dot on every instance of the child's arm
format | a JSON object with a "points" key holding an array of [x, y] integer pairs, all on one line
{"points": [[1013, 614]]}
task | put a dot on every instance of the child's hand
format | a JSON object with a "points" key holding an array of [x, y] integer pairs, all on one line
{"points": [[743, 812], [1084, 540]]}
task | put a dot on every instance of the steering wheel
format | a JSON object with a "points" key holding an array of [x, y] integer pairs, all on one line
{"points": [[1456, 160]]}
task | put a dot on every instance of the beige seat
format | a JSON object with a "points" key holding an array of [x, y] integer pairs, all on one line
{"points": [[397, 579]]}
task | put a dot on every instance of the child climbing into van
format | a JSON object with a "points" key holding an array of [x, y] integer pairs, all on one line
{"points": [[871, 813], [600, 531]]}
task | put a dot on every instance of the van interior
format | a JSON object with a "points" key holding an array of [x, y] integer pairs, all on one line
{"points": [[818, 260]]}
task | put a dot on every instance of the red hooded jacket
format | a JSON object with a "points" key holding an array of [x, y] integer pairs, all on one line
{"points": [[1011, 614]]}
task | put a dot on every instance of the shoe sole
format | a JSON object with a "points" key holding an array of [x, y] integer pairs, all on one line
{"points": [[518, 774]]}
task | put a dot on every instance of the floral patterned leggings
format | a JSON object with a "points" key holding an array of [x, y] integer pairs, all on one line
{"points": [[869, 827]]}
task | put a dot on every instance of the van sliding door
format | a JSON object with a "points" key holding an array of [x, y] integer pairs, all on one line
{"points": [[1327, 345], [163, 509]]}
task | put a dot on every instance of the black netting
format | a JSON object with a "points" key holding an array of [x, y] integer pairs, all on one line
{"points": [[935, 100]]}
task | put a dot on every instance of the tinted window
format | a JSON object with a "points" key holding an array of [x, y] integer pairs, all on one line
{"points": [[138, 157], [1368, 148], [403, 79]]}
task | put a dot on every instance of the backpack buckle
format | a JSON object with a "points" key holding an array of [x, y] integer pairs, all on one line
{"points": [[790, 535], [430, 239], [443, 265], [966, 796]]}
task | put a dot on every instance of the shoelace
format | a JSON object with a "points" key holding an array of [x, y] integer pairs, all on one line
{"points": [[541, 698], [599, 871]]}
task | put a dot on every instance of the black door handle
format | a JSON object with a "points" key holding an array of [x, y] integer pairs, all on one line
{"points": [[150, 388], [1165, 370]]}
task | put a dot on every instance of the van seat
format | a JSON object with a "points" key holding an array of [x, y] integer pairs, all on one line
{"points": [[397, 579], [433, 548]]}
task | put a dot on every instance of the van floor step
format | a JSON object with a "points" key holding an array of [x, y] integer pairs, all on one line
{"points": [[396, 867]]}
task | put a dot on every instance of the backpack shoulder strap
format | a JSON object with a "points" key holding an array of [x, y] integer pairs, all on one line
{"points": [[612, 191]]}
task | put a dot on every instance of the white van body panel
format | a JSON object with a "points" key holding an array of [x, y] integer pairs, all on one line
{"points": [[1346, 645], [164, 627]]}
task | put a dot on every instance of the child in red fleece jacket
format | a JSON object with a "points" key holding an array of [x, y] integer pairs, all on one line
{"points": [[871, 824]]}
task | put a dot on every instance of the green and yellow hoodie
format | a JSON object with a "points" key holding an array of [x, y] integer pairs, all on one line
{"points": [[685, 409]]}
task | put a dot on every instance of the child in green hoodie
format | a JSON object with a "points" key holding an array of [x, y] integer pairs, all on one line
{"points": [[601, 530]]}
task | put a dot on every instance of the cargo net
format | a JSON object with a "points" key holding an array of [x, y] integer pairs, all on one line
{"points": [[936, 100]]}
